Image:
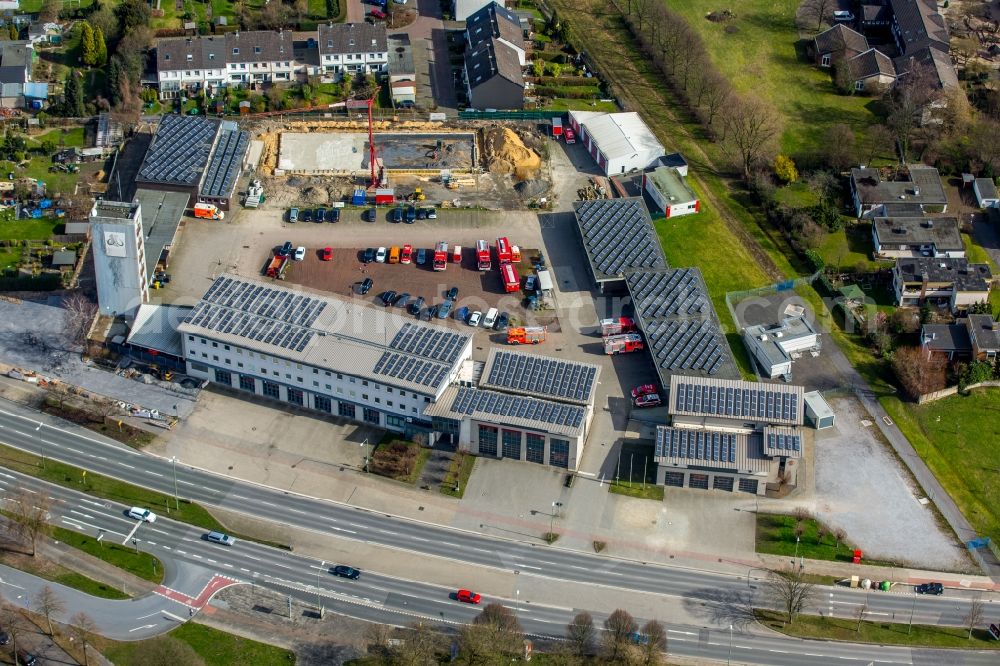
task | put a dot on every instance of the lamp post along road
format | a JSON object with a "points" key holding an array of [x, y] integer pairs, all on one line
{"points": [[552, 516], [177, 501]]}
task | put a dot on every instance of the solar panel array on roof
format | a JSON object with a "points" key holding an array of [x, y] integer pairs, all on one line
{"points": [[432, 343], [225, 163], [470, 400], [699, 445], [668, 293], [180, 150], [686, 344], [543, 376], [418, 371], [778, 442], [767, 403], [618, 235]]}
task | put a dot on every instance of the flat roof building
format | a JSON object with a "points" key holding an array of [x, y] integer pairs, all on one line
{"points": [[986, 193], [903, 237], [923, 187], [668, 189], [954, 283], [618, 142], [119, 257], [774, 346]]}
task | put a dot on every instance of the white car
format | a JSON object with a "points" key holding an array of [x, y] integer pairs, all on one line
{"points": [[139, 513], [475, 318], [380, 255], [300, 253], [843, 16], [399, 2]]}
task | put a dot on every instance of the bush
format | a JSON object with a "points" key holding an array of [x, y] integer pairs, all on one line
{"points": [[974, 373], [784, 169]]}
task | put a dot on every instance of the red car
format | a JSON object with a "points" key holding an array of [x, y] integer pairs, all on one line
{"points": [[327, 254], [648, 400], [645, 389], [377, 14], [407, 255], [468, 597]]}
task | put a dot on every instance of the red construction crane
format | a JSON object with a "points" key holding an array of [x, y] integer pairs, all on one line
{"points": [[372, 154]]}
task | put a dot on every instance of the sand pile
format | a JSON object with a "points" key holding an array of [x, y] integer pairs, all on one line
{"points": [[270, 158], [504, 152]]}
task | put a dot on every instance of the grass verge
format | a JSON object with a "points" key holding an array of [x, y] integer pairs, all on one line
{"points": [[882, 633], [213, 646], [457, 479], [650, 491], [776, 536], [140, 564], [50, 570]]}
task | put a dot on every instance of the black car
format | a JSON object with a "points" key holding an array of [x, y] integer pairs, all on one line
{"points": [[501, 322], [416, 305], [369, 215], [26, 658], [333, 215], [402, 300], [366, 285], [396, 215], [286, 249], [421, 256], [320, 214], [930, 588], [369, 255], [345, 572], [421, 213], [307, 215], [426, 314], [388, 297], [451, 294], [411, 214]]}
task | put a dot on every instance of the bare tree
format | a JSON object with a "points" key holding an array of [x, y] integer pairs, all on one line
{"points": [[501, 630], [861, 612], [791, 591], [655, 647], [919, 373], [83, 627], [751, 129], [908, 101], [716, 91], [815, 12], [880, 141], [377, 639], [618, 628], [581, 634], [47, 603], [977, 610], [420, 646], [642, 9], [50, 11], [14, 623], [29, 511], [79, 315], [839, 151]]}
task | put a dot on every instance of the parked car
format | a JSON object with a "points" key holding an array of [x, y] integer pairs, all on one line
{"points": [[369, 215], [366, 285], [388, 297], [416, 305], [219, 537], [286, 249], [421, 213], [320, 215], [345, 572], [307, 215], [139, 513], [929, 588], [406, 256], [300, 253], [648, 400], [333, 215], [402, 300], [645, 389], [475, 318], [293, 214], [529, 284], [462, 314], [378, 14], [326, 254], [451, 294], [396, 215], [468, 597], [380, 255], [443, 309], [843, 15], [4, 637], [502, 321], [431, 214], [411, 214], [369, 255], [26, 658], [421, 256], [426, 314]]}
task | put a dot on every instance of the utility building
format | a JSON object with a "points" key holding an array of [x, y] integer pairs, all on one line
{"points": [[119, 257], [618, 142]]}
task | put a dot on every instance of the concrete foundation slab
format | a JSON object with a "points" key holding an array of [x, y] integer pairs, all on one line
{"points": [[343, 152]]}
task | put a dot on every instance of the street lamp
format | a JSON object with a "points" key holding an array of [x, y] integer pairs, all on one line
{"points": [[552, 516], [177, 501], [369, 456], [41, 445], [319, 604], [730, 659], [796, 547], [517, 594]]}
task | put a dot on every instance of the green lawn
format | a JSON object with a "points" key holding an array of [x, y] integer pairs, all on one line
{"points": [[797, 195], [566, 104], [70, 137], [50, 570], [882, 633], [763, 56], [216, 648], [976, 253], [650, 491], [38, 168], [140, 564], [40, 229], [849, 248], [957, 438], [776, 536], [459, 472]]}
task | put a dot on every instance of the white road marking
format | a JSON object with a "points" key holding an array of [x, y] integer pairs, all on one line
{"points": [[152, 472], [124, 465], [145, 626]]}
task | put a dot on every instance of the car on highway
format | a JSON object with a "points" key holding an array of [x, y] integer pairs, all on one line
{"points": [[369, 255], [293, 214], [502, 321], [475, 318], [645, 389], [468, 597], [139, 513], [307, 215], [286, 249], [648, 400], [443, 309], [380, 255], [366, 285], [451, 294], [300, 253], [388, 297], [345, 571], [929, 588], [326, 254], [411, 214], [406, 256], [416, 305], [320, 215], [421, 256], [220, 537], [396, 215], [402, 300]]}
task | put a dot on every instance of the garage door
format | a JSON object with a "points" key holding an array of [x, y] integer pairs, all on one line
{"points": [[698, 481], [723, 483], [674, 479], [748, 486]]}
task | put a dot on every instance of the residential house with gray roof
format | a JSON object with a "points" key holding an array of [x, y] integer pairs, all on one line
{"points": [[836, 44], [952, 283], [354, 48]]}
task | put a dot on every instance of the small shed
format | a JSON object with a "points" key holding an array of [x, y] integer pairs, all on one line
{"points": [[77, 228], [818, 412], [986, 193], [64, 258]]}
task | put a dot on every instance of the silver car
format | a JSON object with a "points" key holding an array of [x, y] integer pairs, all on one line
{"points": [[219, 537]]}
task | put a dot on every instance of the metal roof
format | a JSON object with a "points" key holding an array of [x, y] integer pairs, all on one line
{"points": [[328, 333], [155, 327], [618, 235], [679, 322], [786, 442], [180, 150], [161, 216], [620, 135], [669, 182], [226, 163], [540, 376], [458, 402], [736, 399], [683, 447]]}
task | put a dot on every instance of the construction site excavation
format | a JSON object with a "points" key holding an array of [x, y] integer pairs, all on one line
{"points": [[344, 153]]}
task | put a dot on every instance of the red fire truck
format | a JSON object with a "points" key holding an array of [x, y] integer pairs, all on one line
{"points": [[622, 344], [510, 278], [483, 255], [526, 335], [617, 326], [440, 256], [503, 251]]}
